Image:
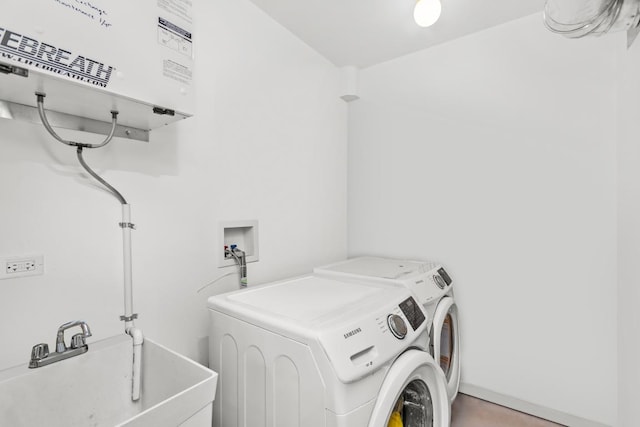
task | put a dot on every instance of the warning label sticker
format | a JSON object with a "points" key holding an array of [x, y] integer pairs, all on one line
{"points": [[176, 71], [175, 38], [180, 8]]}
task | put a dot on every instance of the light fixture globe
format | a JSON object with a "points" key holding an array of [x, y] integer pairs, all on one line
{"points": [[427, 12]]}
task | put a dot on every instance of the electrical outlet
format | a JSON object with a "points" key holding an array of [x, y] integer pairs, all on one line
{"points": [[20, 266], [13, 267]]}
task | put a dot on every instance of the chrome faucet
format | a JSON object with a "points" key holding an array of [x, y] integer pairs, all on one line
{"points": [[40, 355], [86, 333]]}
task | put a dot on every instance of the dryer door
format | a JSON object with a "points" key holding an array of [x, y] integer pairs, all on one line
{"points": [[413, 394], [445, 341]]}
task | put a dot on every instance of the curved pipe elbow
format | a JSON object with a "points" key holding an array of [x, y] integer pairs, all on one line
{"points": [[136, 335]]}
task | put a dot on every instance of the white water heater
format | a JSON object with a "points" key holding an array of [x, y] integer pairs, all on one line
{"points": [[92, 56]]}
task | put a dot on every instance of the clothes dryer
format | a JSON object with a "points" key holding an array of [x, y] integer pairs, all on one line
{"points": [[318, 352], [434, 289]]}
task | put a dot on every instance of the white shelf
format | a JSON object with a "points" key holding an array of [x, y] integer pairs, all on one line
{"points": [[80, 107]]}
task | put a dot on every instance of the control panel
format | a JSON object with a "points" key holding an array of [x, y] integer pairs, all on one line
{"points": [[361, 346], [413, 312], [441, 278], [445, 276]]}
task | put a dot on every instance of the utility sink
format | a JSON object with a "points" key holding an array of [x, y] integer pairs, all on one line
{"points": [[94, 389]]}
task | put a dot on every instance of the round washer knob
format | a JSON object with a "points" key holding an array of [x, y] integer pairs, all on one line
{"points": [[439, 281], [397, 326]]}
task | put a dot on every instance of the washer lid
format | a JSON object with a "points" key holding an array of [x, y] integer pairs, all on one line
{"points": [[350, 321], [383, 268], [311, 300], [428, 280]]}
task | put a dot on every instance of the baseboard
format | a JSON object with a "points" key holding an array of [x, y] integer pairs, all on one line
{"points": [[527, 407]]}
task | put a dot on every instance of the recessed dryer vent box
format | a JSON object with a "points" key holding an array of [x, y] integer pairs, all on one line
{"points": [[244, 234], [90, 57]]}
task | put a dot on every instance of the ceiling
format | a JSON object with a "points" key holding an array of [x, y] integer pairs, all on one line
{"points": [[367, 32]]}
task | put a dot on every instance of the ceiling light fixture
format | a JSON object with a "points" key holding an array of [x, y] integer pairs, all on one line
{"points": [[427, 12]]}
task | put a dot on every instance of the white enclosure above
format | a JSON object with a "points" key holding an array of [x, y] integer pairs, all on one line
{"points": [[89, 58]]}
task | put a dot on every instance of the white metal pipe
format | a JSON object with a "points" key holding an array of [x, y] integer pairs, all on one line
{"points": [[129, 325], [128, 281]]}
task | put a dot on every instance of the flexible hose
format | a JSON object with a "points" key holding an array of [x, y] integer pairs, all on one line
{"points": [[242, 266], [214, 281], [45, 122], [108, 186], [243, 269]]}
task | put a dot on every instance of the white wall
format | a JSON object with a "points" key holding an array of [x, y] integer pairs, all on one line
{"points": [[496, 155], [629, 238], [268, 142]]}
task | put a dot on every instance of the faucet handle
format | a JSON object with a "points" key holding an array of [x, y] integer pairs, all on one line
{"points": [[39, 352], [77, 341]]}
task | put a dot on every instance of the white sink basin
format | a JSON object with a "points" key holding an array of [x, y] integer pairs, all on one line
{"points": [[94, 389]]}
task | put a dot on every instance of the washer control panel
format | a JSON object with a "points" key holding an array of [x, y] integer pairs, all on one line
{"points": [[376, 335]]}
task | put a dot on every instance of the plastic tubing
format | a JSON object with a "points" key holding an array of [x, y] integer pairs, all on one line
{"points": [[138, 339]]}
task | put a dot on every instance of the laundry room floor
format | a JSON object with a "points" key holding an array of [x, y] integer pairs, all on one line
{"points": [[469, 411]]}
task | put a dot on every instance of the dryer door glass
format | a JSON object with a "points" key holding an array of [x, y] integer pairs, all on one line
{"points": [[414, 407], [445, 340], [446, 345]]}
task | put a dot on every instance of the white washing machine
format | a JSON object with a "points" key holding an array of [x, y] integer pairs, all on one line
{"points": [[318, 352], [434, 289]]}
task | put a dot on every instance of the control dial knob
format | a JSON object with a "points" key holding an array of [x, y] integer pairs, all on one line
{"points": [[397, 326]]}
